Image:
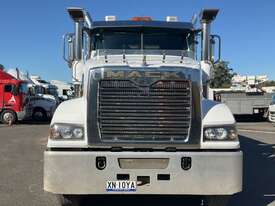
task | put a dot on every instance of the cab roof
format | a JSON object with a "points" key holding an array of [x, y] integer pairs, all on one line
{"points": [[7, 78], [140, 24]]}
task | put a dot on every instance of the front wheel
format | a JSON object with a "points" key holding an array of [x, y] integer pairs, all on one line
{"points": [[8, 117], [217, 200], [69, 200], [39, 115]]}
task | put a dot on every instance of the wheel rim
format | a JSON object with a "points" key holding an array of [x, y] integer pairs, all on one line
{"points": [[8, 117], [38, 115]]}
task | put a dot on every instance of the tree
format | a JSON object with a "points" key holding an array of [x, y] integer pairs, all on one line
{"points": [[221, 75]]}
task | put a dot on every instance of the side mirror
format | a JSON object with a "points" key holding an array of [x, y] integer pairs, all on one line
{"points": [[69, 48], [213, 39]]}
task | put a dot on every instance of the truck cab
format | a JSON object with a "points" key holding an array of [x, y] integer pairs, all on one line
{"points": [[142, 123], [13, 99], [43, 102], [64, 89]]}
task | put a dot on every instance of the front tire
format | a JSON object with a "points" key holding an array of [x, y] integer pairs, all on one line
{"points": [[8, 117], [217, 200], [39, 115], [69, 200]]}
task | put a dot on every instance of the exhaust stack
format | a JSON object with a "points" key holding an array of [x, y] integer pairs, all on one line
{"points": [[207, 16], [17, 73], [80, 17]]}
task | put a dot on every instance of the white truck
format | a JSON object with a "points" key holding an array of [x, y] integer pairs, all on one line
{"points": [[45, 87], [64, 89], [143, 123], [271, 110]]}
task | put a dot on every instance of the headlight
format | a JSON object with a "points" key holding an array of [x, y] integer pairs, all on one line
{"points": [[66, 131], [220, 133]]}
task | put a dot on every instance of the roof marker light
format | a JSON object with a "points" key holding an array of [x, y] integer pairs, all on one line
{"points": [[110, 18], [172, 18], [141, 18]]}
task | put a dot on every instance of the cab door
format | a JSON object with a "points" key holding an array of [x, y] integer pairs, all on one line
{"points": [[1, 96], [8, 97]]}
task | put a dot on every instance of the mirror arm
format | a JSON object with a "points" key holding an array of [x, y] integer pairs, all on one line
{"points": [[220, 49], [65, 41]]}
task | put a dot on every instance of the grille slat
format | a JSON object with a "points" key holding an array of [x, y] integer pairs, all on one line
{"points": [[155, 118], [113, 114], [163, 111], [160, 112], [136, 121], [145, 107], [164, 125]]}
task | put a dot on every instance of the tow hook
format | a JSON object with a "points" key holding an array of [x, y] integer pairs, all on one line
{"points": [[143, 180], [101, 163], [186, 163]]}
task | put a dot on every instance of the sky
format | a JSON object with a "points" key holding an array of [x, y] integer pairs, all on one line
{"points": [[31, 30]]}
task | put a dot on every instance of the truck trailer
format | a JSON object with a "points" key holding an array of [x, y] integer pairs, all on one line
{"points": [[143, 123], [246, 103]]}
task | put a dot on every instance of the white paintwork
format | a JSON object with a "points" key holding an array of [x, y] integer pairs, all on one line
{"points": [[78, 68], [271, 110], [212, 173], [206, 68], [81, 68], [214, 114], [72, 112]]}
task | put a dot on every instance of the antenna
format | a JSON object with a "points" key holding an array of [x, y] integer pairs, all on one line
{"points": [[194, 19]]}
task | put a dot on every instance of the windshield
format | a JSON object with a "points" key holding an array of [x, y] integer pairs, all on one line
{"points": [[142, 38], [273, 99], [42, 81], [23, 88], [52, 91]]}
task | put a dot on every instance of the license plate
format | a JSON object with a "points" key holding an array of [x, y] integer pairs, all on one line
{"points": [[121, 186]]}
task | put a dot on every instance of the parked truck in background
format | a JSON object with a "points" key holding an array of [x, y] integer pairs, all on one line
{"points": [[42, 96], [143, 123], [246, 103], [245, 96], [44, 87], [64, 89], [13, 99]]}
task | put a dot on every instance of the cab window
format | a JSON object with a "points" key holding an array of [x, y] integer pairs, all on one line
{"points": [[8, 88]]}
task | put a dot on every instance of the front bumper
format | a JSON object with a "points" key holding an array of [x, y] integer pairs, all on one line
{"points": [[212, 173], [26, 113], [272, 116], [21, 115]]}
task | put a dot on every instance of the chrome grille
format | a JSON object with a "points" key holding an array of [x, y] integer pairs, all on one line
{"points": [[129, 112]]}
